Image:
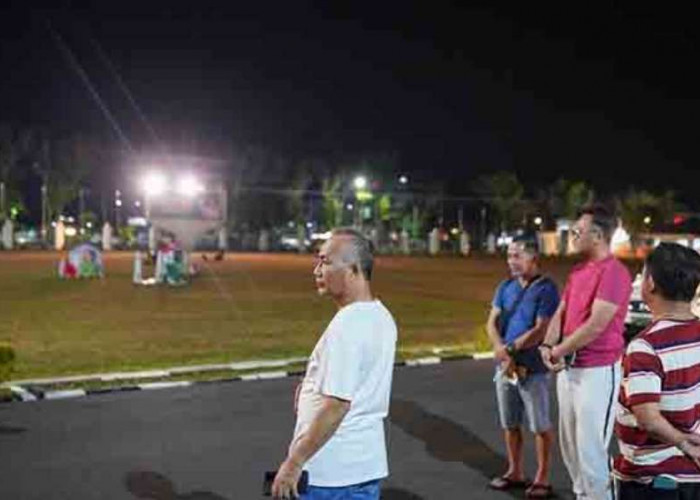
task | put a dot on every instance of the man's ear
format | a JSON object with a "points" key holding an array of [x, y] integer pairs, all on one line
{"points": [[648, 283]]}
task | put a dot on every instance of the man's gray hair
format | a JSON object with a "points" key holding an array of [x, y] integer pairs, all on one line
{"points": [[358, 250]]}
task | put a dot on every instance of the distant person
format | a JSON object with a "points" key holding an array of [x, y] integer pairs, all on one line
{"points": [[344, 397], [585, 336], [520, 313], [659, 412]]}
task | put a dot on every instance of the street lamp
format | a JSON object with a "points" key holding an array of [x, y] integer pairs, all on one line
{"points": [[360, 182], [647, 220], [403, 179]]}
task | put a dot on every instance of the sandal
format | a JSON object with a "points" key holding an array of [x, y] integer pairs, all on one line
{"points": [[503, 483], [539, 491]]}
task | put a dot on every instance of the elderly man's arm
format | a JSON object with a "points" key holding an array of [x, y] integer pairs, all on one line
{"points": [[322, 427], [650, 419], [331, 414]]}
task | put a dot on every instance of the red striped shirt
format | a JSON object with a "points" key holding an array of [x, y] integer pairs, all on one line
{"points": [[661, 365]]}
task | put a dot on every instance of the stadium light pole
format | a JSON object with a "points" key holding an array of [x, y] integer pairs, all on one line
{"points": [[360, 184], [154, 185]]}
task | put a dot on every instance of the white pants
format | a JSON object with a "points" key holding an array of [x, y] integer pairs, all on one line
{"points": [[587, 399]]}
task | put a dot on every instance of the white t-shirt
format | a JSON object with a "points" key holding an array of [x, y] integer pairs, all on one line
{"points": [[353, 360]]}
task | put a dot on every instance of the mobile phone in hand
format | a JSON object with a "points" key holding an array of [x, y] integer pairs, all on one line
{"points": [[302, 485]]}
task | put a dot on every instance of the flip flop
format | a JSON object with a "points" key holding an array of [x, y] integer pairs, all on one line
{"points": [[503, 483], [539, 491]]}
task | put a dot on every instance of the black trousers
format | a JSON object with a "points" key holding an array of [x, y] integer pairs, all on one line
{"points": [[629, 490]]}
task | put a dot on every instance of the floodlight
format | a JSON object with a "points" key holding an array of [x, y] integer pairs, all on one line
{"points": [[154, 184], [189, 186]]}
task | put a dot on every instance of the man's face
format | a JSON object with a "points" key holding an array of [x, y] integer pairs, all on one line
{"points": [[330, 272], [520, 262], [585, 234]]}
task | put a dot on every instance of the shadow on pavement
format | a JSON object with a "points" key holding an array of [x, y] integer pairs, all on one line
{"points": [[397, 494], [446, 440], [8, 429], [149, 485]]}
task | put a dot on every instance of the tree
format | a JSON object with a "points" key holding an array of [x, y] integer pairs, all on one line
{"points": [[298, 199], [640, 210], [564, 198], [504, 193], [12, 150], [70, 165], [332, 192]]}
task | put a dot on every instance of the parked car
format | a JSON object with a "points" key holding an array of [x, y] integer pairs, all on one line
{"points": [[639, 314]]}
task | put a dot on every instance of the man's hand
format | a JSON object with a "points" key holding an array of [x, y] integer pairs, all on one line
{"points": [[691, 447], [501, 354], [550, 361], [285, 484]]}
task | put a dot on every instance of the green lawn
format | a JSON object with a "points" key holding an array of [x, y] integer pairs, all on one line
{"points": [[248, 307]]}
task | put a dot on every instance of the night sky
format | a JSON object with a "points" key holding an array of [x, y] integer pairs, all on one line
{"points": [[608, 96]]}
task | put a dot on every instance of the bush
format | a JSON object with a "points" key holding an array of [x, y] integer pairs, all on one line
{"points": [[481, 340], [7, 359]]}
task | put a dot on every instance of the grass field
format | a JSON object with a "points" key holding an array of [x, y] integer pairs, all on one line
{"points": [[251, 306]]}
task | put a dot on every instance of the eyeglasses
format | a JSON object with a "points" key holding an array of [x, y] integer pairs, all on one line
{"points": [[577, 233]]}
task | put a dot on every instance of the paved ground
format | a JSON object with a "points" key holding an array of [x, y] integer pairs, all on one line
{"points": [[213, 442]]}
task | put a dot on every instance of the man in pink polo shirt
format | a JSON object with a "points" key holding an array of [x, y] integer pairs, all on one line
{"points": [[584, 343]]}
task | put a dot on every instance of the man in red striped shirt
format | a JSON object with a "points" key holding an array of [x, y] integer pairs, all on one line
{"points": [[658, 415]]}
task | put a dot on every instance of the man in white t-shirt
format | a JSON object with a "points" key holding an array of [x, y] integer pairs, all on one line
{"points": [[344, 397]]}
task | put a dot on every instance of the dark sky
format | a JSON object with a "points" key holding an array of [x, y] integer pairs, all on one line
{"points": [[604, 95]]}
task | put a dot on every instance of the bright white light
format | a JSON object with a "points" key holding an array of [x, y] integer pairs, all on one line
{"points": [[154, 184], [647, 220], [70, 231], [538, 221], [349, 206], [118, 203], [321, 236], [360, 182], [620, 237], [88, 224], [309, 225], [53, 224], [454, 231], [71, 219], [137, 203], [189, 186], [403, 179]]}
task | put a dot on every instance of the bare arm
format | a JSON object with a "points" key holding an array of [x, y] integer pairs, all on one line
{"points": [[554, 327], [650, 419], [602, 313], [495, 335], [322, 427], [533, 336]]}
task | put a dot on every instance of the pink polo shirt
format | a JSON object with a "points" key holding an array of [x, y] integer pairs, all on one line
{"points": [[608, 280]]}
